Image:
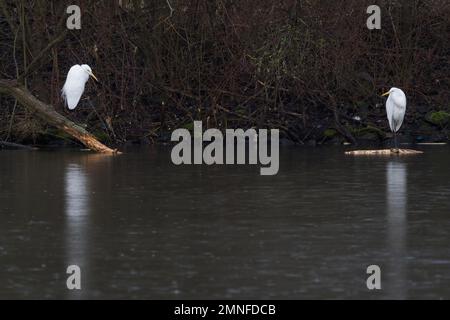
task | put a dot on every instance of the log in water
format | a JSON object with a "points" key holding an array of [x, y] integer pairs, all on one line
{"points": [[383, 152]]}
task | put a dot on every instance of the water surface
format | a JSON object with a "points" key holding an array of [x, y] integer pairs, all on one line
{"points": [[140, 227]]}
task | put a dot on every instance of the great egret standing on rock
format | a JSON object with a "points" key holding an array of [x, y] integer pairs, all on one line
{"points": [[76, 79], [395, 109]]}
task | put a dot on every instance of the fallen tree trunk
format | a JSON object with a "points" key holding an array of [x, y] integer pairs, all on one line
{"points": [[383, 152], [48, 114]]}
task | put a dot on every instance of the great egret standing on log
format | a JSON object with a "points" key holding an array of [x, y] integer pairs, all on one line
{"points": [[74, 87], [395, 109]]}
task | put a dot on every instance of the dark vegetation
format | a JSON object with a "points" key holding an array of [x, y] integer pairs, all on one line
{"points": [[306, 67]]}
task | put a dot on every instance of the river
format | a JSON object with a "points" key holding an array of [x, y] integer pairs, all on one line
{"points": [[140, 227]]}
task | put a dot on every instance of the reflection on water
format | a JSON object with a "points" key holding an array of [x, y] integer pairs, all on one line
{"points": [[396, 193], [77, 220], [77, 191], [140, 227]]}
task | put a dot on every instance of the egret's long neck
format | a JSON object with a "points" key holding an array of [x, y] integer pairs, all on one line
{"points": [[85, 77]]}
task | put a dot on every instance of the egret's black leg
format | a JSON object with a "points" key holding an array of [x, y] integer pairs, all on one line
{"points": [[395, 140], [395, 134]]}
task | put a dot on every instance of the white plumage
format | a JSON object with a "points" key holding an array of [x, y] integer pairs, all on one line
{"points": [[73, 88], [395, 109]]}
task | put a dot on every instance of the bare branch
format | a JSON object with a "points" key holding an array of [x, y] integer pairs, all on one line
{"points": [[8, 17], [37, 60], [170, 7]]}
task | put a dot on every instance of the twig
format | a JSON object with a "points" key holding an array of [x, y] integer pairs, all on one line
{"points": [[24, 40], [36, 61], [11, 120], [8, 17], [17, 75], [170, 7]]}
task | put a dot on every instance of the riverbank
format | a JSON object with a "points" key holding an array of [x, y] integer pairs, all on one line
{"points": [[372, 130], [315, 71], [322, 133]]}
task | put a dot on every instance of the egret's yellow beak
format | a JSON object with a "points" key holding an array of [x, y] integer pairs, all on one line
{"points": [[93, 76], [385, 94]]}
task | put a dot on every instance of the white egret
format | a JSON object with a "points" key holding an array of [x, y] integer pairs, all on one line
{"points": [[76, 79], [395, 109]]}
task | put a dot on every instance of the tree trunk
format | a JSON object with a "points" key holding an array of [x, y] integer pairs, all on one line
{"points": [[48, 114]]}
